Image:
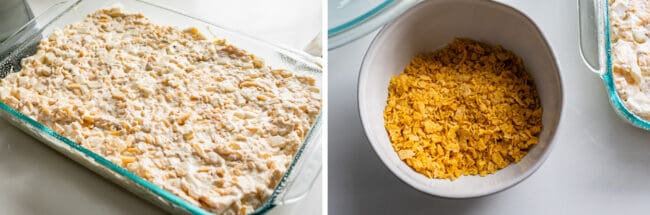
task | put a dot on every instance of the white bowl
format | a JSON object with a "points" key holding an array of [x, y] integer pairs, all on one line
{"points": [[429, 26]]}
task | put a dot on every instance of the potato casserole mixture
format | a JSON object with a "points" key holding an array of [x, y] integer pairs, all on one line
{"points": [[466, 109], [630, 48], [202, 119]]}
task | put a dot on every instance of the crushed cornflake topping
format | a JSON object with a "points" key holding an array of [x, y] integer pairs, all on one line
{"points": [[466, 109], [202, 119]]}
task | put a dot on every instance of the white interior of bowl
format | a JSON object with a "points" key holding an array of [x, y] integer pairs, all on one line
{"points": [[429, 26]]}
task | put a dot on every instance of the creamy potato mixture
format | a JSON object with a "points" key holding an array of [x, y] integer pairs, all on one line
{"points": [[202, 119], [630, 48]]}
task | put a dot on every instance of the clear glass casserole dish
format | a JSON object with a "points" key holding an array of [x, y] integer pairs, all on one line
{"points": [[351, 19], [299, 176], [595, 49]]}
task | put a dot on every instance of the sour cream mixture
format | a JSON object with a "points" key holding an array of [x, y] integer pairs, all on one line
{"points": [[202, 119], [630, 47]]}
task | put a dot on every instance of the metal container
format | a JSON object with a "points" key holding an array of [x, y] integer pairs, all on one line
{"points": [[13, 15]]}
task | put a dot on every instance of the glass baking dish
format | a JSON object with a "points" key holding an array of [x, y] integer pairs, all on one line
{"points": [[595, 51], [301, 173], [351, 19]]}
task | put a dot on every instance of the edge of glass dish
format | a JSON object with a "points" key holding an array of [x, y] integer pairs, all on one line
{"points": [[608, 79], [368, 22], [363, 17], [24, 122]]}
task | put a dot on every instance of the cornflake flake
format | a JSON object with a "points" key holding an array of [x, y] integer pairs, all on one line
{"points": [[467, 109]]}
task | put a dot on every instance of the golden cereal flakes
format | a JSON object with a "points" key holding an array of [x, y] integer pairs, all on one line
{"points": [[467, 109]]}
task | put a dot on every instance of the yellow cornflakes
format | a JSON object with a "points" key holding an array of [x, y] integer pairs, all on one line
{"points": [[466, 109]]}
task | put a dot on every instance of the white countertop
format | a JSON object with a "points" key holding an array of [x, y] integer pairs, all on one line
{"points": [[600, 165], [38, 180]]}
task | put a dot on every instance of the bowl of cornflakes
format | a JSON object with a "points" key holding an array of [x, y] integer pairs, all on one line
{"points": [[461, 98]]}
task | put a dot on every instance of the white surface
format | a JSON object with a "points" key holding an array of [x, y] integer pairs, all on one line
{"points": [[286, 22], [38, 180], [599, 164], [429, 26]]}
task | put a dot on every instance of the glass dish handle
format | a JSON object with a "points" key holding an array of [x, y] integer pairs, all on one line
{"points": [[303, 177], [592, 15]]}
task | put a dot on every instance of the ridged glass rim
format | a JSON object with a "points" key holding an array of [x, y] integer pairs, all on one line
{"points": [[608, 79], [355, 21], [172, 198]]}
